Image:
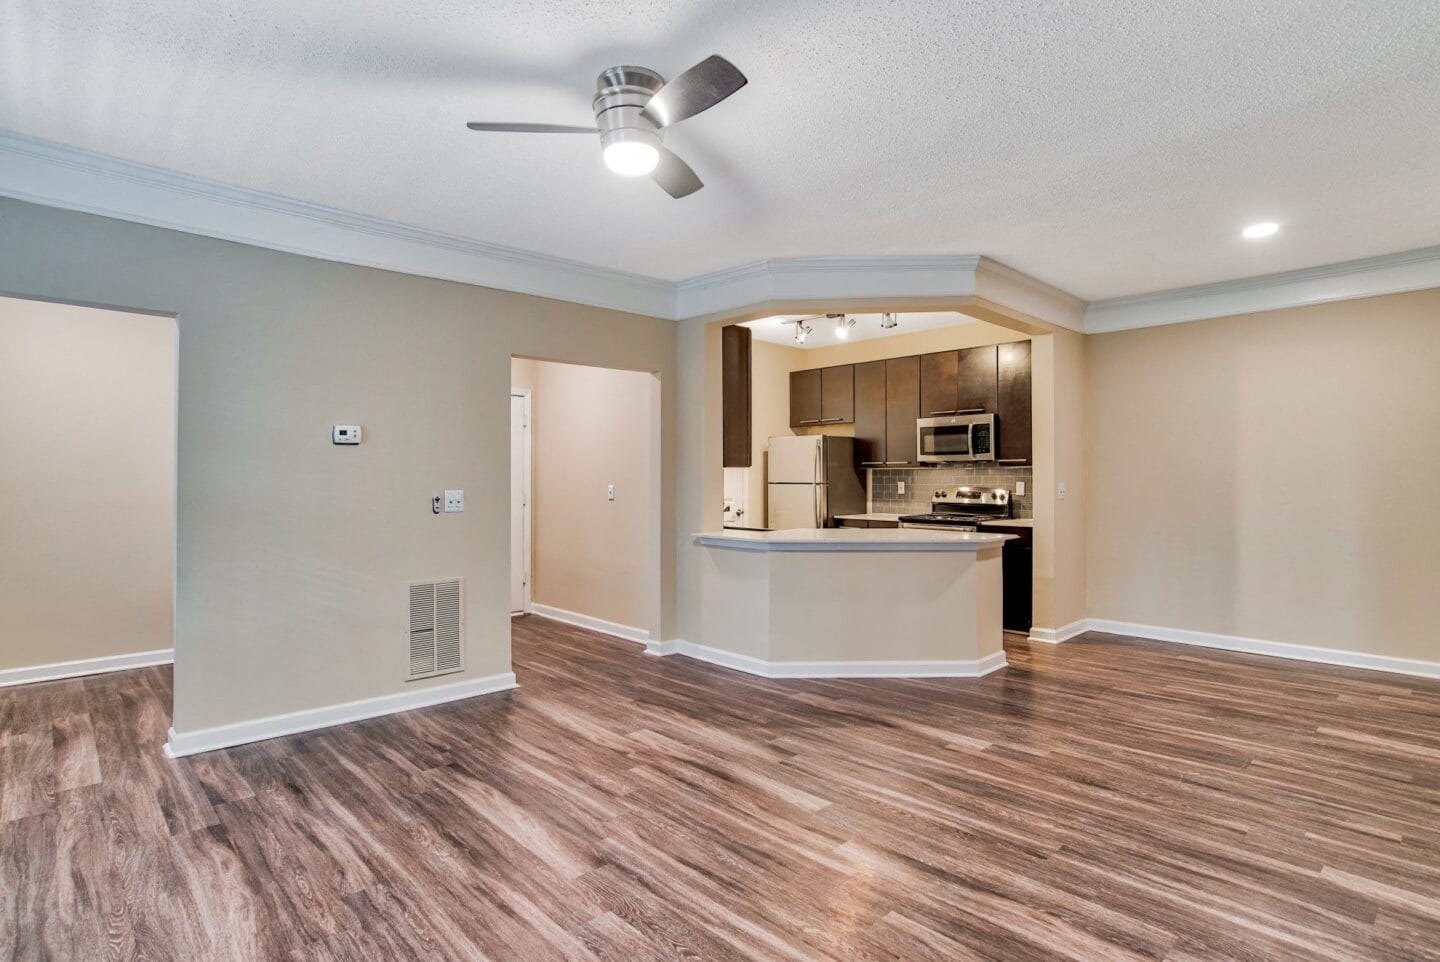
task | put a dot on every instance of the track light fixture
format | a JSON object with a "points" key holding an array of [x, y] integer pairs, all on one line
{"points": [[843, 323], [889, 320], [802, 331]]}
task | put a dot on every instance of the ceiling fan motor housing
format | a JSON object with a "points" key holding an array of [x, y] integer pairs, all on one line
{"points": [[621, 93]]}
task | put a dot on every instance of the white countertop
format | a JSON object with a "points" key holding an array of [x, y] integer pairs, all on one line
{"points": [[870, 516], [1009, 523], [852, 539]]}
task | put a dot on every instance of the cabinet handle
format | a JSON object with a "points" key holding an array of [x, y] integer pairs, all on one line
{"points": [[896, 462], [1011, 460], [830, 420], [971, 411], [812, 421], [871, 464], [936, 414]]}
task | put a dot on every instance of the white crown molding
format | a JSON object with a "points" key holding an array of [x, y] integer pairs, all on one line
{"points": [[974, 668], [275, 726], [1372, 276], [55, 175], [615, 629], [85, 666], [856, 281]]}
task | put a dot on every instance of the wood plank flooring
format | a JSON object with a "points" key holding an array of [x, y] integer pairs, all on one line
{"points": [[1102, 799]]}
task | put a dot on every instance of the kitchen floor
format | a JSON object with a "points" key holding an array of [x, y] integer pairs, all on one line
{"points": [[1105, 798]]}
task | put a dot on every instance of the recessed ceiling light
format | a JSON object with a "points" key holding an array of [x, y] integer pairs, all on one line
{"points": [[1255, 231]]}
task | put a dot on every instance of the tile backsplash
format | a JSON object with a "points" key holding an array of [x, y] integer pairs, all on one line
{"points": [[921, 483]]}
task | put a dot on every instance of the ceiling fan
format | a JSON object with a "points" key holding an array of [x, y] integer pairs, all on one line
{"points": [[633, 106]]}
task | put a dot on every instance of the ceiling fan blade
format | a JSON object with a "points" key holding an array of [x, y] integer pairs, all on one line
{"points": [[699, 88], [532, 128], [675, 175]]}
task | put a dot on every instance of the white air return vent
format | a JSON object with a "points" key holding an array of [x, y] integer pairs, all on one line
{"points": [[436, 628]]}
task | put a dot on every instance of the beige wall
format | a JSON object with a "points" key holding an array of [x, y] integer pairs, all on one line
{"points": [[770, 367], [87, 482], [1272, 476], [293, 553], [590, 427], [1060, 561]]}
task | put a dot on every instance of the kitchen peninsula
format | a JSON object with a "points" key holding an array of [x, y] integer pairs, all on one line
{"points": [[853, 602]]}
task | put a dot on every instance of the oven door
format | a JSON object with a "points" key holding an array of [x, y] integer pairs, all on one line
{"points": [[940, 440], [938, 527]]}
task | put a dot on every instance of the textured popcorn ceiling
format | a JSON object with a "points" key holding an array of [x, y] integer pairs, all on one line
{"points": [[1107, 147]]}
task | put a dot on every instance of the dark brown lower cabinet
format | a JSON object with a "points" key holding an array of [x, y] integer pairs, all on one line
{"points": [[1017, 561]]}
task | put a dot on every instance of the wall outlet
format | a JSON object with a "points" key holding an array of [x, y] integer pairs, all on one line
{"points": [[610, 492], [902, 486], [1019, 489], [1060, 491], [454, 501]]}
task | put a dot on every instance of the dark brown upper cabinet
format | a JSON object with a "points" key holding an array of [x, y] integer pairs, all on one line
{"points": [[837, 394], [805, 398], [902, 409], [870, 413], [735, 396], [939, 383], [976, 388], [1013, 411], [822, 396]]}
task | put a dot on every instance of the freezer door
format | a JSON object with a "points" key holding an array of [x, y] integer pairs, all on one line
{"points": [[794, 505], [795, 460]]}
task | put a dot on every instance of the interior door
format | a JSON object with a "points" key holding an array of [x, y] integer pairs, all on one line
{"points": [[519, 504]]}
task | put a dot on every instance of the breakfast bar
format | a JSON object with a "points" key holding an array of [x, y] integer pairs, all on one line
{"points": [[853, 602]]}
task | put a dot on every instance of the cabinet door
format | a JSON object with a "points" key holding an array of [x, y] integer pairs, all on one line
{"points": [[939, 385], [902, 408], [804, 398], [870, 413], [735, 396], [1013, 418], [837, 394], [976, 377]]}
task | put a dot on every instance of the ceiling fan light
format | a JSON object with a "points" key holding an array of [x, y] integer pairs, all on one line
{"points": [[631, 158]]}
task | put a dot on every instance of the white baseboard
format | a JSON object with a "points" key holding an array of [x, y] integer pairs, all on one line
{"points": [[662, 647], [1274, 649], [1054, 636], [832, 669], [240, 733], [594, 624], [85, 666]]}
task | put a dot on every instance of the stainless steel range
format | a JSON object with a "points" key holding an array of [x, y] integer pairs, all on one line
{"points": [[962, 510]]}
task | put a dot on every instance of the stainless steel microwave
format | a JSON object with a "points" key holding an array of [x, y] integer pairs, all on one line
{"points": [[965, 437]]}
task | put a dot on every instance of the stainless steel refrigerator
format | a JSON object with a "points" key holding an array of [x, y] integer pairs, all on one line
{"points": [[811, 480]]}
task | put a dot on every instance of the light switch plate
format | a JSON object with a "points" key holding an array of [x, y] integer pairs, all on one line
{"points": [[610, 492], [454, 501], [902, 486], [1019, 489]]}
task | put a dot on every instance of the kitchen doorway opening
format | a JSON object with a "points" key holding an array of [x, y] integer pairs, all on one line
{"points": [[585, 496], [87, 489]]}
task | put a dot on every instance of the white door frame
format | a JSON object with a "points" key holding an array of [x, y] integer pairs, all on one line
{"points": [[526, 521]]}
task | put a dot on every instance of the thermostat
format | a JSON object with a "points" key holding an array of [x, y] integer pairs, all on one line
{"points": [[345, 434]]}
